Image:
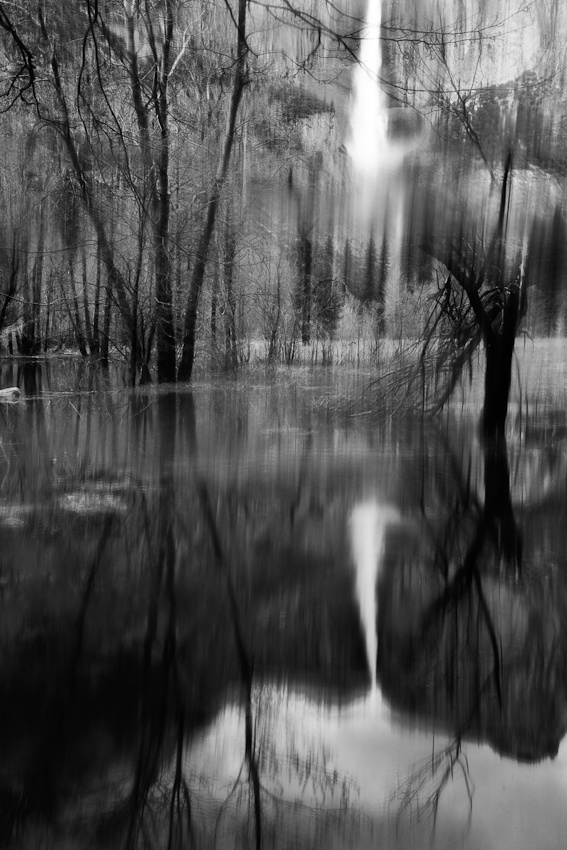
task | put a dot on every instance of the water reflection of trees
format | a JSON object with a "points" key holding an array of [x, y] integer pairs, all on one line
{"points": [[420, 793], [157, 589], [91, 676], [142, 612], [472, 638]]}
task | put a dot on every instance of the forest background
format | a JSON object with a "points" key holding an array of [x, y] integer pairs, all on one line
{"points": [[178, 187]]}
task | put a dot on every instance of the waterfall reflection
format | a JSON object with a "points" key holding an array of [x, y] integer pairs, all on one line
{"points": [[194, 623], [369, 521]]}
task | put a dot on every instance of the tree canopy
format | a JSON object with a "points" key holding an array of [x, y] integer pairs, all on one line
{"points": [[182, 158]]}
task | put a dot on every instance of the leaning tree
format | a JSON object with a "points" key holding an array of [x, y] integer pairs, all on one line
{"points": [[490, 195]]}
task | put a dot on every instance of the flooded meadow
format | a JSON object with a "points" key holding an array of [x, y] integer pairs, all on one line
{"points": [[235, 617]]}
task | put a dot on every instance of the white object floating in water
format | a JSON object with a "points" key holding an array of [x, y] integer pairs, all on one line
{"points": [[10, 394]]}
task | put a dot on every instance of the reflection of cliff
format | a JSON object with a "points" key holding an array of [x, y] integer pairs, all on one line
{"points": [[473, 634], [118, 634], [112, 663]]}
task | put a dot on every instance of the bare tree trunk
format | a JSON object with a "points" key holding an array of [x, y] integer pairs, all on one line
{"points": [[12, 279], [37, 280], [214, 308], [136, 330], [231, 351], [190, 325], [159, 190], [306, 240], [95, 347], [47, 327], [304, 299], [63, 127], [26, 342], [106, 325], [86, 307], [134, 336], [74, 311], [26, 346], [166, 365]]}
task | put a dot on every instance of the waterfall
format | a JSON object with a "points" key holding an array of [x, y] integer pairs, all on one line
{"points": [[369, 120], [368, 524], [378, 187]]}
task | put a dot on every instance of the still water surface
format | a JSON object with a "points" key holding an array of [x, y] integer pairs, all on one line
{"points": [[234, 617]]}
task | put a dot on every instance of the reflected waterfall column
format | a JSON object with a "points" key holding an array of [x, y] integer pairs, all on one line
{"points": [[368, 524]]}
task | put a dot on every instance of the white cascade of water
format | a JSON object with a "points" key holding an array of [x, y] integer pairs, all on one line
{"points": [[369, 119], [368, 524], [378, 194]]}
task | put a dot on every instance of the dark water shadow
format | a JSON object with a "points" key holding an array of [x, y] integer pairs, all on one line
{"points": [[161, 573]]}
